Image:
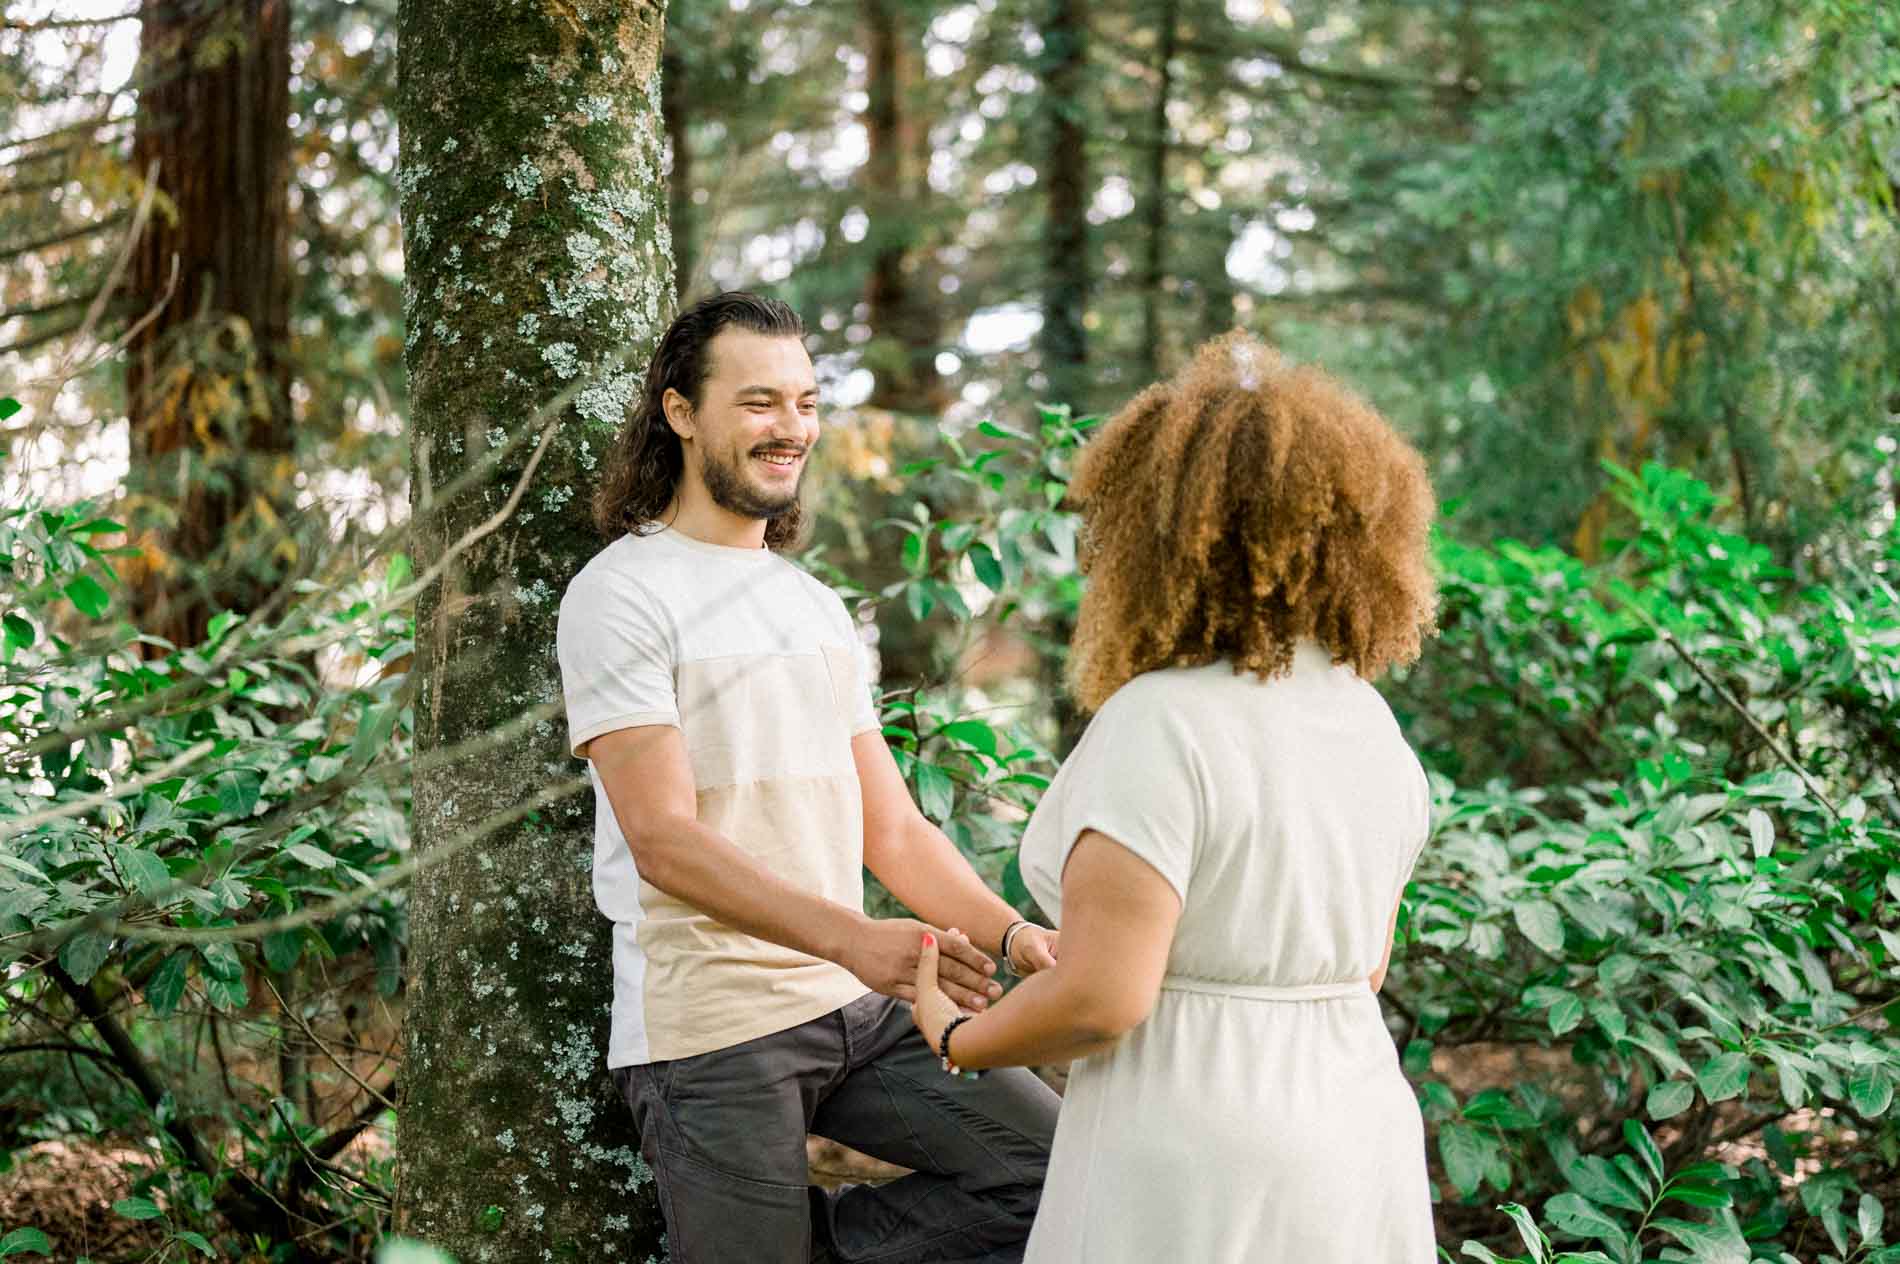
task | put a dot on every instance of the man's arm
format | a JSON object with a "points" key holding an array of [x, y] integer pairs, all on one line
{"points": [[924, 869], [649, 783]]}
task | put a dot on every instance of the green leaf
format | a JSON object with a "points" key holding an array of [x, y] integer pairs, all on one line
{"points": [[1573, 1213], [1645, 1147], [167, 985], [137, 1208], [1724, 1076], [221, 961], [989, 571], [995, 431], [1565, 1014], [1597, 1179], [1872, 1216], [237, 790], [398, 573], [144, 869], [315, 857], [1761, 832], [916, 559], [227, 994], [1669, 1098], [8, 407], [85, 593], [1466, 1153], [282, 950], [197, 1240], [936, 792], [83, 954], [19, 635], [23, 1241], [972, 733], [918, 599], [1699, 1195], [1541, 923], [1870, 1088]]}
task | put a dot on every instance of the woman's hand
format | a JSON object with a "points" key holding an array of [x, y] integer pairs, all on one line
{"points": [[1033, 949], [932, 1011]]}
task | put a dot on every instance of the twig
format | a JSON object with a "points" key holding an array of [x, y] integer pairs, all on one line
{"points": [[325, 1049]]}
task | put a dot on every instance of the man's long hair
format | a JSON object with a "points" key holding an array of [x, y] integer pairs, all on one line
{"points": [[644, 468]]}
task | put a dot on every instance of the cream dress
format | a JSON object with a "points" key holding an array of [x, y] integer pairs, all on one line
{"points": [[1258, 1115]]}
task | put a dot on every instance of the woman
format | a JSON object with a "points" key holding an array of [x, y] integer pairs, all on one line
{"points": [[1226, 847]]}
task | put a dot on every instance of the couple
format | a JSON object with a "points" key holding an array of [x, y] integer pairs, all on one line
{"points": [[1224, 849]]}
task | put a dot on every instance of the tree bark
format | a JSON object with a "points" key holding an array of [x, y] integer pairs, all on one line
{"points": [[1066, 276], [208, 381], [538, 259], [1155, 265], [907, 333]]}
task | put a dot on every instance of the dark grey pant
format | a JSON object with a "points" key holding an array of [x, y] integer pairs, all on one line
{"points": [[724, 1133]]}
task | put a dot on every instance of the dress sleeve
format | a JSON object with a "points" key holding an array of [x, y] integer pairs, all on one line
{"points": [[1139, 780], [1416, 847], [617, 657]]}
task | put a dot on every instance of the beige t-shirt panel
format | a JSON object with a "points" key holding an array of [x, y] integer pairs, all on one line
{"points": [[759, 666]]}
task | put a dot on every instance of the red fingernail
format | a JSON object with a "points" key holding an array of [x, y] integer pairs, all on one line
{"points": [[930, 941]]}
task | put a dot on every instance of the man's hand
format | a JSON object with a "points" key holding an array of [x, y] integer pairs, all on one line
{"points": [[884, 954], [1033, 948]]}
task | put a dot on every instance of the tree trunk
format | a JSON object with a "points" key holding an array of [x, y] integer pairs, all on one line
{"points": [[1066, 280], [208, 381], [906, 331], [534, 230], [681, 213], [1155, 266]]}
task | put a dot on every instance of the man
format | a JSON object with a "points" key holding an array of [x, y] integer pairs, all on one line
{"points": [[741, 785]]}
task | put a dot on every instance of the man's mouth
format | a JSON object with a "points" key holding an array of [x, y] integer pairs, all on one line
{"points": [[779, 457]]}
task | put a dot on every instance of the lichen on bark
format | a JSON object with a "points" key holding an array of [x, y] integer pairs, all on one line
{"points": [[537, 259]]}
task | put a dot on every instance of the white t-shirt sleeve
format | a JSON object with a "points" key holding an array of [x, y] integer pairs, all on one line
{"points": [[617, 656], [1138, 781]]}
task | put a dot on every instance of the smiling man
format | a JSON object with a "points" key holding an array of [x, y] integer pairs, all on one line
{"points": [[742, 783]]}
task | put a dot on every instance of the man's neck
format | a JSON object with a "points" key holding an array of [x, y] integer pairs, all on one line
{"points": [[697, 516]]}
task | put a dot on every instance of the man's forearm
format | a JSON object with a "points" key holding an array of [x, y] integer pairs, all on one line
{"points": [[925, 870], [702, 867]]}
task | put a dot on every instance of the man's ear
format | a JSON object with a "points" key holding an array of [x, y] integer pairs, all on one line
{"points": [[679, 412]]}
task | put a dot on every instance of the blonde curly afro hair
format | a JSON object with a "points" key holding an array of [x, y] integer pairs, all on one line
{"points": [[1238, 508]]}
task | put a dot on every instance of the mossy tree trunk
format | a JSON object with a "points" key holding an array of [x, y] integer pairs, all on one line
{"points": [[538, 257]]}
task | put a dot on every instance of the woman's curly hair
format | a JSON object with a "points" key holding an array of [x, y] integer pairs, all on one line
{"points": [[1238, 508]]}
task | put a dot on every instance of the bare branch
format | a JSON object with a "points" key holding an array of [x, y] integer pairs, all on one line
{"points": [[85, 803]]}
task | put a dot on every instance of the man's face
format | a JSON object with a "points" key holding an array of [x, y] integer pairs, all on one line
{"points": [[756, 422]]}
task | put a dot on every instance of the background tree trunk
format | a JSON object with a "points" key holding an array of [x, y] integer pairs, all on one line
{"points": [[537, 259], [681, 213], [208, 381], [906, 330], [1155, 265], [1066, 282]]}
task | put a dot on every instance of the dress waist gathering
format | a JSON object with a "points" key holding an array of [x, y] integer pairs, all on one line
{"points": [[1337, 990]]}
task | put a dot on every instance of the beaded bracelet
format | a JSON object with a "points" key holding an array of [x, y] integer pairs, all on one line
{"points": [[943, 1041]]}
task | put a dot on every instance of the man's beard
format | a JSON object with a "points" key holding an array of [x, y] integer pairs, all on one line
{"points": [[732, 492]]}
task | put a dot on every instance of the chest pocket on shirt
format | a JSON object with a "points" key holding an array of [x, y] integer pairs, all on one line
{"points": [[762, 717]]}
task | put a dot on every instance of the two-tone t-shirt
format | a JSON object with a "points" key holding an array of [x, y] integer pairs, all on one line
{"points": [[760, 668]]}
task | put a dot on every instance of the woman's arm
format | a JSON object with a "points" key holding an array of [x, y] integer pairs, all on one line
{"points": [[1118, 919]]}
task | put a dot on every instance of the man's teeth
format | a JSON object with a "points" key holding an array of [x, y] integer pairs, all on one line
{"points": [[779, 458]]}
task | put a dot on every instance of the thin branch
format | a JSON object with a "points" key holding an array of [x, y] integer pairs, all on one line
{"points": [[339, 905], [54, 24], [324, 1049], [59, 1046], [75, 807], [60, 239]]}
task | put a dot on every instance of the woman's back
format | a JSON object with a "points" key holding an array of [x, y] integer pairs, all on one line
{"points": [[1259, 1113]]}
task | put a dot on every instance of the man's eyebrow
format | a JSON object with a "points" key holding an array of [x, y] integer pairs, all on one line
{"points": [[772, 391]]}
